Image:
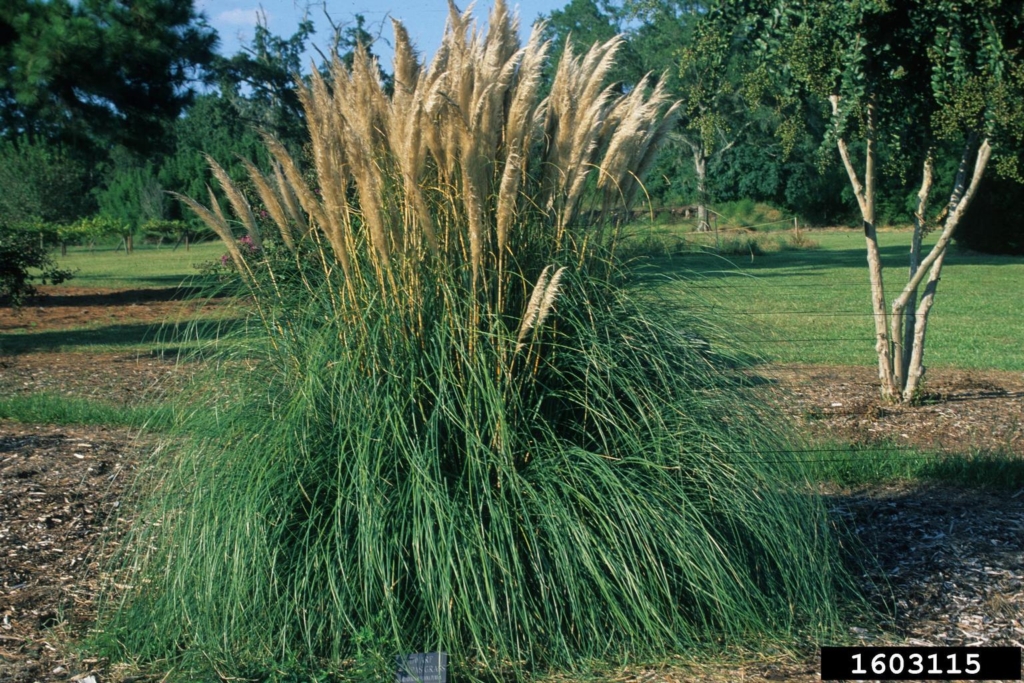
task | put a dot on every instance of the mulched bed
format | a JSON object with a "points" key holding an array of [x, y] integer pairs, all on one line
{"points": [[119, 378], [963, 411], [60, 489], [953, 560], [949, 562], [60, 307]]}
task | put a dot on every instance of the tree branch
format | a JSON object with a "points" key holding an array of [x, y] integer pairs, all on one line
{"points": [[960, 200], [844, 153]]}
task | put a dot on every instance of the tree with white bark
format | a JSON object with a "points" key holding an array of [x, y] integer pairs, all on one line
{"points": [[716, 105], [904, 82]]}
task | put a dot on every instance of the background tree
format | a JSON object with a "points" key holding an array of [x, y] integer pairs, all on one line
{"points": [[24, 261], [99, 71], [701, 61], [259, 80], [710, 82], [912, 80], [42, 182], [995, 223], [132, 195]]}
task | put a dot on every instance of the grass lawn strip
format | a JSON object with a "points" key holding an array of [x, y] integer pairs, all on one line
{"points": [[813, 305]]}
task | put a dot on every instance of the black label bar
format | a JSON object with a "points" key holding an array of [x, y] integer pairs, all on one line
{"points": [[920, 663]]}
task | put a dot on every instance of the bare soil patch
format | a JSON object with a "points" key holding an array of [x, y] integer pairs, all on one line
{"points": [[948, 567]]}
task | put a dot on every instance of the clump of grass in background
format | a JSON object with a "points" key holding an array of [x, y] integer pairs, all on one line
{"points": [[745, 245], [796, 240], [744, 213], [451, 426]]}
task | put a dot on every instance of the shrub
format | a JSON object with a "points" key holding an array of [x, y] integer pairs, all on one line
{"points": [[452, 426], [743, 245], [20, 254]]}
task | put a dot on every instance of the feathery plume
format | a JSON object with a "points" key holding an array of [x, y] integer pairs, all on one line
{"points": [[532, 308], [270, 200], [239, 204]]}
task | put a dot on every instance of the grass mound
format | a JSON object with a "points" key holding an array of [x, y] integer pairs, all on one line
{"points": [[604, 491], [449, 425]]}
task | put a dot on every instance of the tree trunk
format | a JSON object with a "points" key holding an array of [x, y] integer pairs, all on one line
{"points": [[700, 162], [904, 320], [960, 198], [865, 194]]}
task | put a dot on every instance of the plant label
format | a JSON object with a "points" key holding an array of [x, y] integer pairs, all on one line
{"points": [[429, 667]]}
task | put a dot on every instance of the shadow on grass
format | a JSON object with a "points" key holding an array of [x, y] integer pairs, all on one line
{"points": [[873, 465], [996, 471], [131, 335], [707, 264], [124, 296]]}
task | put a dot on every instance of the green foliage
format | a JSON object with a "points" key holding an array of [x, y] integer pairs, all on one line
{"points": [[591, 499], [995, 223], [214, 126], [20, 255], [102, 226], [259, 81], [175, 231], [97, 72], [42, 183], [928, 72], [132, 193], [586, 22]]}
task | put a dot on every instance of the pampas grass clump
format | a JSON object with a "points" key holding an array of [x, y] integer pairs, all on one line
{"points": [[450, 426]]}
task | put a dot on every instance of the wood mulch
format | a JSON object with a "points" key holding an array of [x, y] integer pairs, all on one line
{"points": [[948, 570], [962, 411], [61, 307]]}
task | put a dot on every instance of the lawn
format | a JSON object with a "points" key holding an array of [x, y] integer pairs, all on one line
{"points": [[149, 266], [794, 306], [118, 303], [812, 306]]}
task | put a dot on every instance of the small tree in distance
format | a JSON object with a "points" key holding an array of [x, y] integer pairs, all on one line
{"points": [[921, 79]]}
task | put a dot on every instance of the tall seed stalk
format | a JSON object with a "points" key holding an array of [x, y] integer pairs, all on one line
{"points": [[464, 167]]}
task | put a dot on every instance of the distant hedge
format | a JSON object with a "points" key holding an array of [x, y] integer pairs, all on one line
{"points": [[994, 223]]}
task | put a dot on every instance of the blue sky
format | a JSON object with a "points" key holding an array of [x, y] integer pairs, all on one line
{"points": [[234, 19]]}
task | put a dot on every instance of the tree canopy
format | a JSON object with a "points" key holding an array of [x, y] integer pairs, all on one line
{"points": [[99, 71]]}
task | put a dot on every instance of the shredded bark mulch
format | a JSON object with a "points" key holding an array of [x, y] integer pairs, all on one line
{"points": [[962, 411], [60, 488], [62, 307]]}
